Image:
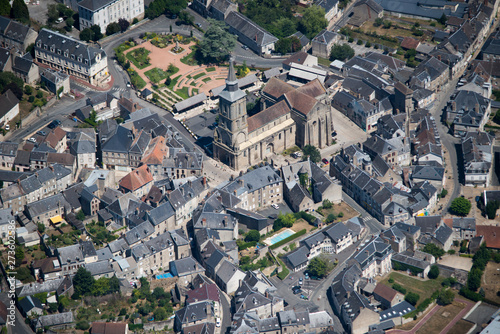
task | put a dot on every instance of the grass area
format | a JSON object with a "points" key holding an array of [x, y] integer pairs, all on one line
{"points": [[161, 41], [291, 150], [183, 92], [424, 288], [139, 57], [461, 327], [441, 319], [190, 58], [199, 75], [124, 46], [491, 283], [210, 69], [156, 74], [173, 82], [137, 81], [194, 91], [207, 79], [193, 84], [324, 61]]}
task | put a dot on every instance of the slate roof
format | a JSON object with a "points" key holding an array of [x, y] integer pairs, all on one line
{"points": [[397, 310], [428, 173], [28, 303], [186, 266], [138, 233], [298, 257], [47, 204], [249, 29], [325, 36], [427, 8], [208, 292], [70, 46], [443, 233], [161, 213], [23, 64], [267, 115], [54, 319], [7, 101], [428, 224], [254, 180], [193, 312], [226, 271], [190, 102]]}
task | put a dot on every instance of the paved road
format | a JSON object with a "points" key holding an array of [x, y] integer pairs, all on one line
{"points": [[374, 225], [447, 140], [226, 314], [20, 326]]}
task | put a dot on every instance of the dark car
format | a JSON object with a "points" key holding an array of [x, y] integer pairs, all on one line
{"points": [[334, 134], [296, 291], [272, 216]]}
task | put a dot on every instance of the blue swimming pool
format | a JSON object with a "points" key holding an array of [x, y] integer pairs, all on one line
{"points": [[278, 237], [161, 276]]}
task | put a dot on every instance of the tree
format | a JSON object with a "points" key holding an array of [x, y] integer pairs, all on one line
{"points": [[313, 21], [86, 35], [82, 325], [460, 206], [69, 23], [320, 266], [496, 119], [114, 285], [445, 297], [112, 28], [474, 279], [159, 7], [97, 32], [186, 18], [434, 250], [433, 272], [80, 215], [412, 298], [100, 287], [492, 207], [283, 27], [82, 283], [217, 42], [341, 52], [19, 11], [52, 14], [4, 7], [252, 235], [378, 22], [123, 24], [168, 81], [160, 314], [312, 152], [19, 255], [443, 19], [15, 89], [41, 227], [286, 220], [283, 46]]}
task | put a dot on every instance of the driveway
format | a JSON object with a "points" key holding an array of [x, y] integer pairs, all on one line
{"points": [[481, 315]]}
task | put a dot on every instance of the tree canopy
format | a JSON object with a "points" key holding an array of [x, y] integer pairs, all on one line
{"points": [[412, 298], [273, 15], [460, 206], [284, 220], [434, 250], [19, 11], [313, 21], [217, 43], [252, 235], [113, 28], [312, 152], [159, 7], [4, 7], [433, 272], [445, 297], [320, 266], [288, 45], [82, 282], [124, 24], [86, 35], [341, 52]]}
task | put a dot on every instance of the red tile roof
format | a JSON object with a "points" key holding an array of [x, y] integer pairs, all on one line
{"points": [[301, 102], [409, 43], [491, 235], [136, 178], [205, 292], [297, 58], [277, 88], [109, 328], [156, 152], [385, 292], [55, 136], [313, 88]]}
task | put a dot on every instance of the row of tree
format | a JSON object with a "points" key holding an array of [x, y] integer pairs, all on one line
{"points": [[18, 10]]}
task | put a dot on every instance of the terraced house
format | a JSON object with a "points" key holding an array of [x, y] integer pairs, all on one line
{"points": [[71, 56], [104, 12]]}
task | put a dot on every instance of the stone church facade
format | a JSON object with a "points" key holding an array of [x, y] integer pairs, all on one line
{"points": [[289, 116]]}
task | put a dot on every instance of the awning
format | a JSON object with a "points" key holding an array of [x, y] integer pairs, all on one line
{"points": [[56, 219]]}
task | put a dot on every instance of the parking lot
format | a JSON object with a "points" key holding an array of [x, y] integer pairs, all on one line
{"points": [[282, 207]]}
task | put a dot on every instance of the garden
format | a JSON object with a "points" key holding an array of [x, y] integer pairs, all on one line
{"points": [[139, 57], [157, 74]]}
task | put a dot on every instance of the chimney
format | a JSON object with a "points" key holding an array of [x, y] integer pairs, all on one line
{"points": [[454, 105], [477, 107], [439, 57], [204, 181], [203, 221]]}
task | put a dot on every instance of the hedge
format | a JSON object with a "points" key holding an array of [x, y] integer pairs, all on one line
{"points": [[403, 267], [284, 272], [474, 296], [306, 216], [244, 245], [290, 238]]}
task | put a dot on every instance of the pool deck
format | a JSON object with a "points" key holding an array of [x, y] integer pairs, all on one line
{"points": [[269, 242]]}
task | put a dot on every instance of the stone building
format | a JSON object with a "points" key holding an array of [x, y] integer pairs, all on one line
{"points": [[290, 116]]}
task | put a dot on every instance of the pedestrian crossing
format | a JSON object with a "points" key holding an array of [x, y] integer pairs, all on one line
{"points": [[118, 89]]}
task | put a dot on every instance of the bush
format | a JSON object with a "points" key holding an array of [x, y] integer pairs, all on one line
{"points": [[399, 288], [412, 298], [451, 252], [449, 281], [474, 296], [331, 217], [391, 280], [434, 272], [39, 94], [135, 21], [460, 206], [359, 42], [31, 98], [82, 325], [445, 297], [252, 235]]}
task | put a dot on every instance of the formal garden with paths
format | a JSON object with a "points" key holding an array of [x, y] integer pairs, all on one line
{"points": [[166, 65]]}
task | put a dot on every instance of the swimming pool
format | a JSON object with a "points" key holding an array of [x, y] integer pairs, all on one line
{"points": [[278, 237], [161, 276]]}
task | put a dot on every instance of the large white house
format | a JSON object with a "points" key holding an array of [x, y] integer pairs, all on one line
{"points": [[104, 12]]}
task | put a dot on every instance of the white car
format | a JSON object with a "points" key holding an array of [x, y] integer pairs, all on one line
{"points": [[32, 139], [59, 20], [7, 127], [274, 205], [217, 322]]}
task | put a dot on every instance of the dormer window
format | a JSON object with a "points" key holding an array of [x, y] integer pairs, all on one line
{"points": [[65, 53], [58, 52], [80, 59], [52, 49], [39, 44], [86, 62], [73, 57]]}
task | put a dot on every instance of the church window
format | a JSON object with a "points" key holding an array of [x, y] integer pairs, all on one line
{"points": [[279, 137]]}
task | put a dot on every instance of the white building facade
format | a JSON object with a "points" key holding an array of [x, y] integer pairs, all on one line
{"points": [[93, 12]]}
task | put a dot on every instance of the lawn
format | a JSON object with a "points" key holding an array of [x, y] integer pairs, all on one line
{"points": [[173, 82], [199, 75], [461, 327], [424, 288], [324, 61], [139, 57], [210, 69], [491, 281], [124, 46], [207, 79], [137, 81], [190, 58], [183, 92], [441, 319], [156, 74]]}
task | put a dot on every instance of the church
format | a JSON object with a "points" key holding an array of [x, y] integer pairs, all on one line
{"points": [[289, 116]]}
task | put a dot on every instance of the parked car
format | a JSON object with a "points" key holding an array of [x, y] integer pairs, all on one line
{"points": [[301, 281], [303, 297], [275, 206], [325, 161], [334, 134], [59, 20], [306, 276], [54, 124], [128, 84], [7, 127], [244, 47], [217, 322], [297, 154], [42, 133], [198, 25], [32, 139], [296, 291]]}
